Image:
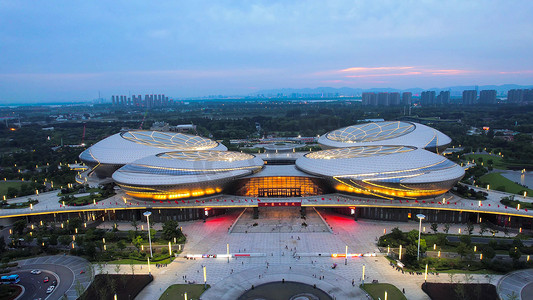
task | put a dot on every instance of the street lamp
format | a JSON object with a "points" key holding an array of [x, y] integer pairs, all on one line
{"points": [[147, 214], [420, 217]]}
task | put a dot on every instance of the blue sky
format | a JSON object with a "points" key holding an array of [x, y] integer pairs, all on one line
{"points": [[70, 50]]}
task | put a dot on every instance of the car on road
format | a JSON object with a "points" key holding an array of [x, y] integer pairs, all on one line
{"points": [[35, 272], [50, 289], [46, 279], [54, 283]]}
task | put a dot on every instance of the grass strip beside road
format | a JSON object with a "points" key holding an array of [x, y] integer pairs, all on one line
{"points": [[176, 291], [377, 291], [497, 180]]}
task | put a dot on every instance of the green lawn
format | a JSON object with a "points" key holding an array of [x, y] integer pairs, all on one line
{"points": [[498, 162], [4, 185], [177, 291], [91, 190], [377, 290], [496, 180]]}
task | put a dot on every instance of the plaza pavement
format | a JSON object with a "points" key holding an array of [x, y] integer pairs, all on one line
{"points": [[229, 280]]}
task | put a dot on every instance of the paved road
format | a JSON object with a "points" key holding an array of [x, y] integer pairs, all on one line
{"points": [[35, 288]]}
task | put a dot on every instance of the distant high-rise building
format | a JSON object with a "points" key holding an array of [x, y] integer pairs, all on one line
{"points": [[443, 98], [487, 96], [407, 98], [383, 99], [113, 100], [369, 99], [427, 98], [469, 97], [528, 95], [518, 96], [394, 99]]}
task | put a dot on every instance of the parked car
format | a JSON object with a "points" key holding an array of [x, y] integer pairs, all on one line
{"points": [[35, 272]]}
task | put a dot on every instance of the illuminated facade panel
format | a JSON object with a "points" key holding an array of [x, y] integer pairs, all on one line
{"points": [[188, 174], [279, 187], [389, 172]]}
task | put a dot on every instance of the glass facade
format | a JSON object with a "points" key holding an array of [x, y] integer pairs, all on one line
{"points": [[279, 186]]}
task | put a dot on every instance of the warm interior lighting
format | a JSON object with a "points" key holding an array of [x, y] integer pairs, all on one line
{"points": [[279, 186]]}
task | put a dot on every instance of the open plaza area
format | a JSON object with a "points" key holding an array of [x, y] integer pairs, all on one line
{"points": [[262, 256]]}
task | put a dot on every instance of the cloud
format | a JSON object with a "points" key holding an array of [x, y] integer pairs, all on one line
{"points": [[363, 69]]}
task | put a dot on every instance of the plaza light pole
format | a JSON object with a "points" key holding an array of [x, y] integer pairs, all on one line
{"points": [[363, 276], [346, 256], [420, 217], [147, 214], [205, 279]]}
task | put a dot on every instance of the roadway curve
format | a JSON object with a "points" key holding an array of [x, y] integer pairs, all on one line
{"points": [[34, 286]]}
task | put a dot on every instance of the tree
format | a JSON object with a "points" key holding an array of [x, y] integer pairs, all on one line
{"points": [[515, 253], [483, 228], [451, 275], [434, 227], [121, 245], [441, 239], [470, 228], [137, 242], [467, 240], [488, 252], [73, 224], [410, 254], [135, 225], [446, 228], [19, 226], [464, 250], [64, 239], [171, 230]]}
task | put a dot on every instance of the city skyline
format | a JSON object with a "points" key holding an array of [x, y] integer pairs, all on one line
{"points": [[62, 51]]}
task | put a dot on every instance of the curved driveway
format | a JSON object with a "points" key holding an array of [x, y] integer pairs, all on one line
{"points": [[518, 282], [70, 270], [35, 288]]}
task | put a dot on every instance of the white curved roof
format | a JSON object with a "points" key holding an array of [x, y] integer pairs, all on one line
{"points": [[126, 147], [381, 163], [386, 132], [173, 168]]}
